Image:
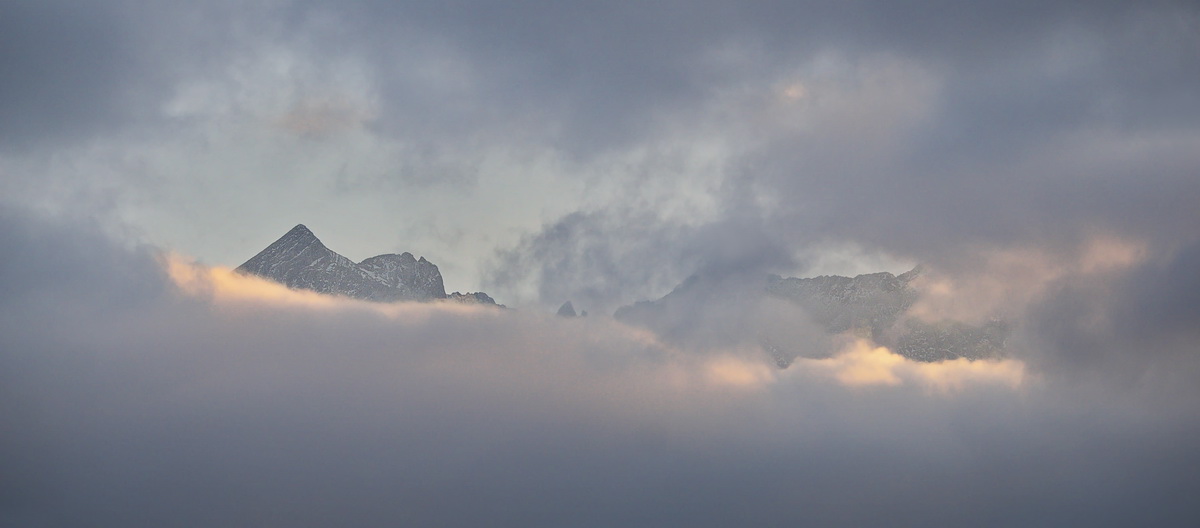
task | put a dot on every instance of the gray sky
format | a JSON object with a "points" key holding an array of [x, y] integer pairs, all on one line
{"points": [[479, 135], [1042, 159]]}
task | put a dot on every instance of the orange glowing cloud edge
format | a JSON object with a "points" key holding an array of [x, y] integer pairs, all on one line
{"points": [[860, 363], [1012, 278], [863, 363], [228, 288]]}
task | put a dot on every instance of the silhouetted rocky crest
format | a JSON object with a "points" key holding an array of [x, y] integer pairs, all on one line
{"points": [[299, 260], [870, 305], [411, 278], [473, 298], [869, 302]]}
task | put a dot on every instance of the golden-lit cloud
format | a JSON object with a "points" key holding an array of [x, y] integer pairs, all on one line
{"points": [[862, 363], [1007, 280], [954, 375], [737, 372], [227, 288]]}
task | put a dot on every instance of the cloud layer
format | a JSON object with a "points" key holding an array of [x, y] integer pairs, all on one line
{"points": [[141, 387], [477, 136], [1039, 158]]}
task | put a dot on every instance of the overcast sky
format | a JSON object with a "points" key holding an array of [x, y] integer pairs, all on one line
{"points": [[1041, 159], [604, 152]]}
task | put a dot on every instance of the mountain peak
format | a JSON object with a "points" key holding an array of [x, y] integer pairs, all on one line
{"points": [[869, 305], [299, 260], [297, 236], [911, 274]]}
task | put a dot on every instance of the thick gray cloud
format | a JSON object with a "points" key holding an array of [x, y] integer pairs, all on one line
{"points": [[601, 260], [946, 130], [136, 402], [63, 67], [911, 131], [1128, 327], [75, 71], [1040, 156]]}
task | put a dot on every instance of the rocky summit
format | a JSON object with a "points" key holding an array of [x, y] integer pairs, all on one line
{"points": [[299, 260], [872, 305], [870, 302]]}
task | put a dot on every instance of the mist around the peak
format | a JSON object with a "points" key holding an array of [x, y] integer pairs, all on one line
{"points": [[142, 387]]}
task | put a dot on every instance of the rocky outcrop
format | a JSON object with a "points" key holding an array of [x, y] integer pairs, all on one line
{"points": [[405, 277], [870, 302], [473, 298], [871, 305], [299, 260]]}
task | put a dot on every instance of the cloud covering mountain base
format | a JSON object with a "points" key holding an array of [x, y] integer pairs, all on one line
{"points": [[1039, 159], [141, 388]]}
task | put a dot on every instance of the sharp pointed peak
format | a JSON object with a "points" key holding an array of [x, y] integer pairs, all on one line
{"points": [[390, 257], [300, 229], [300, 235], [911, 274]]}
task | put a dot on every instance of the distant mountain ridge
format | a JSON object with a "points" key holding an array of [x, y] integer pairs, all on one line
{"points": [[872, 305], [869, 305], [872, 301], [299, 260]]}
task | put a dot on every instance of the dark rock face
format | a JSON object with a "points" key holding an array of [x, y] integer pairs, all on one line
{"points": [[299, 260], [411, 278], [473, 298]]}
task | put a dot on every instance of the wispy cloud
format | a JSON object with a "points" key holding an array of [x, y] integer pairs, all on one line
{"points": [[1038, 158], [181, 389]]}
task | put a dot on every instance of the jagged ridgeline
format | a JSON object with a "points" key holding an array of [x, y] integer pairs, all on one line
{"points": [[872, 305], [299, 260], [869, 302]]}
